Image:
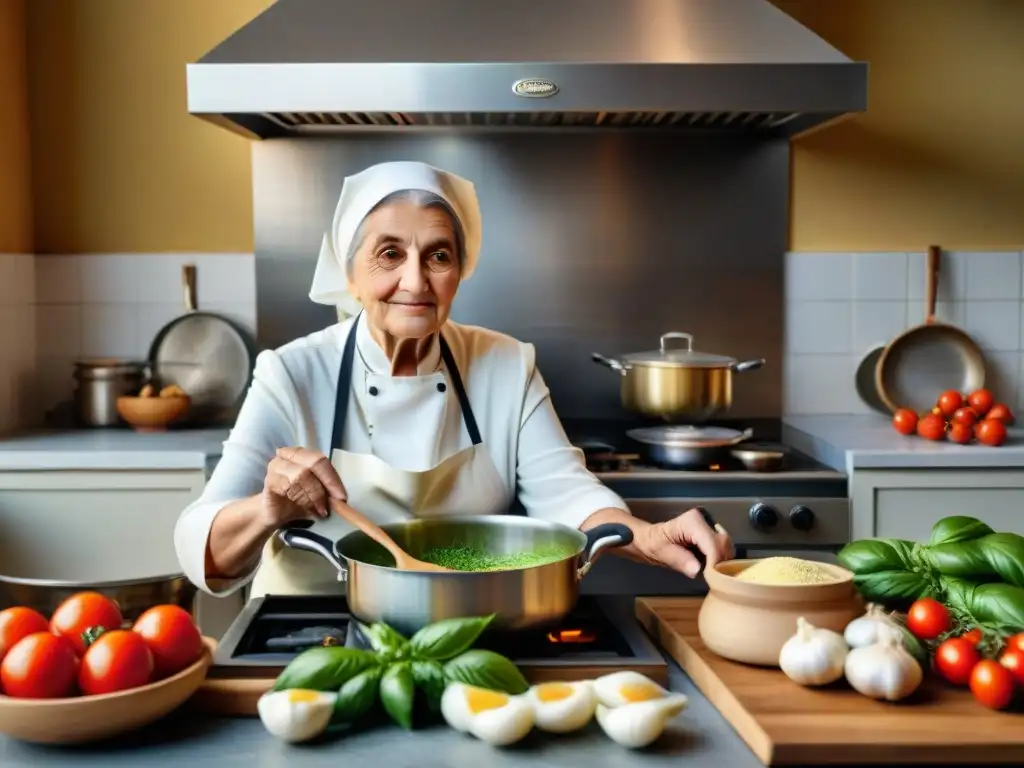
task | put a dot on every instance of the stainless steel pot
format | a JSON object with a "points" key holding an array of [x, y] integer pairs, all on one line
{"points": [[133, 596], [525, 598], [677, 384], [98, 385]]}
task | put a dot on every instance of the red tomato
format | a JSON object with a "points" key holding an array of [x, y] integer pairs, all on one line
{"points": [[172, 637], [973, 636], [949, 401], [992, 684], [964, 416], [84, 611], [115, 661], [905, 421], [1000, 412], [19, 622], [1017, 641], [955, 659], [980, 401], [1013, 660], [931, 427], [990, 432], [928, 618], [960, 433], [39, 666]]}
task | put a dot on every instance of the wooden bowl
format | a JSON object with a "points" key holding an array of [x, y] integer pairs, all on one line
{"points": [[749, 622], [153, 414], [81, 719]]}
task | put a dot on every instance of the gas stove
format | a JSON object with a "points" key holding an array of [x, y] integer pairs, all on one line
{"points": [[597, 638], [796, 505]]}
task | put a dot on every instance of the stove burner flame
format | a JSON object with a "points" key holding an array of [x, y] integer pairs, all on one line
{"points": [[574, 636], [330, 640], [714, 467]]}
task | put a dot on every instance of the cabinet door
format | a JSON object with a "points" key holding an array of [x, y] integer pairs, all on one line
{"points": [[89, 527], [905, 504]]}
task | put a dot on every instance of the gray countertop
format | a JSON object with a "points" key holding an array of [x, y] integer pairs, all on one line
{"points": [[849, 443], [107, 449], [698, 738]]}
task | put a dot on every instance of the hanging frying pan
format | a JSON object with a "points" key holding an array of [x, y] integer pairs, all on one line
{"points": [[864, 380], [926, 360], [207, 355]]}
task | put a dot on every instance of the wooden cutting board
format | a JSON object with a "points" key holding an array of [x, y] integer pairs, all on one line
{"points": [[786, 724]]}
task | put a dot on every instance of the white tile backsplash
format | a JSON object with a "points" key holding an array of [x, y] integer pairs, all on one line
{"points": [[880, 276], [818, 276], [873, 297], [100, 305]]}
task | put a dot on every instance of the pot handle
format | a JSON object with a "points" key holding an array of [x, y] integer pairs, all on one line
{"points": [[615, 365], [600, 538], [747, 365], [297, 537]]}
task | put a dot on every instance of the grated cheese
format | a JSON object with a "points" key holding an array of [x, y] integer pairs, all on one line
{"points": [[785, 570]]}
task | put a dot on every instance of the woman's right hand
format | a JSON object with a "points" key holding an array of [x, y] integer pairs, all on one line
{"points": [[298, 486]]}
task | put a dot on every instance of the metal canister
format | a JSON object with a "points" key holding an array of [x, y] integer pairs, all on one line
{"points": [[98, 384]]}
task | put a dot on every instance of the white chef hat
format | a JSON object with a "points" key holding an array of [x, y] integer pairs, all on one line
{"points": [[359, 195]]}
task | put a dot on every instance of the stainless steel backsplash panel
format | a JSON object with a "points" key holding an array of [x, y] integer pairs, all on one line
{"points": [[591, 243]]}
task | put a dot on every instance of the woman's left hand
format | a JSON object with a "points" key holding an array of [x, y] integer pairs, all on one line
{"points": [[670, 544]]}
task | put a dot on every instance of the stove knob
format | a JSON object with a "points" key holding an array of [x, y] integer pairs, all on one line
{"points": [[763, 516], [801, 517]]}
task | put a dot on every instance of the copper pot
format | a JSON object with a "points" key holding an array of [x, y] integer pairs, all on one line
{"points": [[677, 384]]}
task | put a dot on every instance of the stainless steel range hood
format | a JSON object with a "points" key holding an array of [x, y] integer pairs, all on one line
{"points": [[328, 66]]}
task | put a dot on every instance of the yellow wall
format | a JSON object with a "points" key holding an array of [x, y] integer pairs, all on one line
{"points": [[939, 157], [15, 169], [120, 166]]}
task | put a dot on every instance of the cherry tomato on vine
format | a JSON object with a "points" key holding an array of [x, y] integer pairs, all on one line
{"points": [[928, 618]]}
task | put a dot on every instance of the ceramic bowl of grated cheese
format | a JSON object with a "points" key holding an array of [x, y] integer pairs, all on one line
{"points": [[752, 605]]}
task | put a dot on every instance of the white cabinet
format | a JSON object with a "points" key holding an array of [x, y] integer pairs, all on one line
{"points": [[90, 526], [906, 503]]}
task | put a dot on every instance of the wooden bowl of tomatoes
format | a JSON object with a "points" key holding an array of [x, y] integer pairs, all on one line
{"points": [[84, 674]]}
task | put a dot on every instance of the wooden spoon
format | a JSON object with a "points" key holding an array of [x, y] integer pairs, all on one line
{"points": [[403, 560]]}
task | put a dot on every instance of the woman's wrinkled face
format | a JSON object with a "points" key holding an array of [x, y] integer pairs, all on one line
{"points": [[406, 269]]}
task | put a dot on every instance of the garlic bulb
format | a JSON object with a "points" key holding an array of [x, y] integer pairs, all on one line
{"points": [[884, 670], [870, 628], [813, 656]]}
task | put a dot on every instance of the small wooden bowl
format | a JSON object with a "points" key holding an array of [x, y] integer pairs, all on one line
{"points": [[749, 622], [153, 414], [81, 719]]}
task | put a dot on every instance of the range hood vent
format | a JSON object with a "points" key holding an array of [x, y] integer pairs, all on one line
{"points": [[334, 66]]}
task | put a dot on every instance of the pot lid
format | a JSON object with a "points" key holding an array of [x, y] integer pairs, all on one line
{"points": [[677, 351], [680, 436]]}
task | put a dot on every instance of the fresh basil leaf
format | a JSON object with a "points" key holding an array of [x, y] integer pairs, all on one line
{"points": [[893, 589], [996, 557], [324, 668], [398, 693], [429, 678], [997, 606], [868, 556], [486, 669], [958, 528], [358, 695], [447, 638], [383, 639]]}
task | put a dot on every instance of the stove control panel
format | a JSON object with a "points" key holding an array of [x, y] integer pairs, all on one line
{"points": [[763, 516], [775, 521], [801, 517]]}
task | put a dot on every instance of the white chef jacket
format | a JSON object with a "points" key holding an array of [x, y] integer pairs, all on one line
{"points": [[292, 400]]}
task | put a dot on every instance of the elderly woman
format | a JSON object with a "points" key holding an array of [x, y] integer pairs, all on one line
{"points": [[398, 410]]}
